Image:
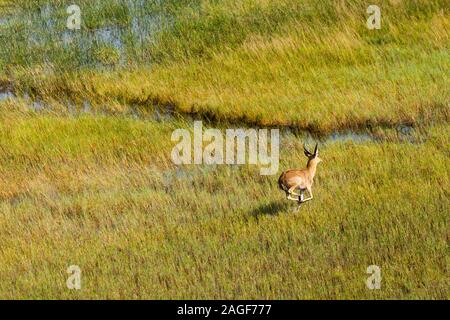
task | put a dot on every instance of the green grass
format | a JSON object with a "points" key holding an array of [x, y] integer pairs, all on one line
{"points": [[98, 189], [307, 64], [90, 191]]}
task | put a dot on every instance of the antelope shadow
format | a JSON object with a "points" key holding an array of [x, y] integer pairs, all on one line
{"points": [[273, 208]]}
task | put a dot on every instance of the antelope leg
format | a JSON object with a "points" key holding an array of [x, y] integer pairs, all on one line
{"points": [[291, 191], [289, 197], [301, 198], [310, 196]]}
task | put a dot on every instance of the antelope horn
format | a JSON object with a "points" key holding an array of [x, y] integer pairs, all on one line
{"points": [[316, 149], [307, 153]]}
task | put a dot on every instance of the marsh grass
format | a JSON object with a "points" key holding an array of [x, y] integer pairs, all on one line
{"points": [[97, 192], [96, 187], [305, 64]]}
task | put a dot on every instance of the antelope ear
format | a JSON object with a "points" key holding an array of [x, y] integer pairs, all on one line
{"points": [[316, 150], [307, 153]]}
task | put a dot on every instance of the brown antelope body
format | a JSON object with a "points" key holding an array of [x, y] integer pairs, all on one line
{"points": [[301, 179]]}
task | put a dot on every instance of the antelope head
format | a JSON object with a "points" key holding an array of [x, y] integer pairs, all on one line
{"points": [[313, 158]]}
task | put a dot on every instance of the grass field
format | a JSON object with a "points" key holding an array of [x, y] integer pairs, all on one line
{"points": [[97, 188]]}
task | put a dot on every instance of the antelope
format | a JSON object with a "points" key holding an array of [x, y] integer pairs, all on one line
{"points": [[301, 179]]}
